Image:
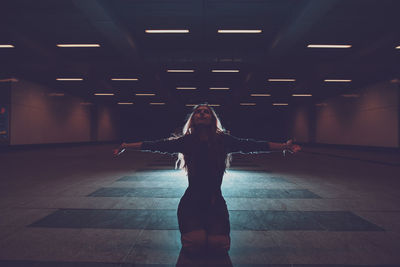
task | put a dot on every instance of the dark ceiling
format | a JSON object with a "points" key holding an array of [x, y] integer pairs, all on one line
{"points": [[34, 27]]}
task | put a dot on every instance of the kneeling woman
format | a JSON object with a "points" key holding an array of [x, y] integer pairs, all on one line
{"points": [[204, 152]]}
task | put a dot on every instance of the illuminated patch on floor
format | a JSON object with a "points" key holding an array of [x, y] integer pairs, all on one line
{"points": [[179, 191], [240, 220]]}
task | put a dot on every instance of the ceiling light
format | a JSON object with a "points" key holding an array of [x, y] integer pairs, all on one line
{"points": [[124, 79], [327, 46], [186, 88], [301, 94], [214, 105], [239, 31], [180, 70], [398, 47], [78, 45], [219, 88], [281, 80], [225, 70], [260, 95], [6, 46], [247, 104], [157, 103], [167, 31], [69, 79], [145, 94], [336, 81], [280, 104], [125, 103], [103, 94], [191, 105]]}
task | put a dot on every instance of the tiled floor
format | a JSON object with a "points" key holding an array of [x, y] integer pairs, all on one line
{"points": [[79, 206]]}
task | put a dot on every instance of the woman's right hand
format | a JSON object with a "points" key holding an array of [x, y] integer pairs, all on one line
{"points": [[118, 151]]}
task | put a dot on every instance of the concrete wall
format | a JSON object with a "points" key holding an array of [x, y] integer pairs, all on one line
{"points": [[38, 118], [371, 119], [301, 125]]}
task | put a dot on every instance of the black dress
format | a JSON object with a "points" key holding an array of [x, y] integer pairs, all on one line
{"points": [[203, 207]]}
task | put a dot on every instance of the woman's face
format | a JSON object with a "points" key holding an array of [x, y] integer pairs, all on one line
{"points": [[202, 116]]}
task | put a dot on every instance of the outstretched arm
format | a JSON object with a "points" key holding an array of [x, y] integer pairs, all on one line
{"points": [[285, 147], [127, 146]]}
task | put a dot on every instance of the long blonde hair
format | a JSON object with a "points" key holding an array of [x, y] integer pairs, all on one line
{"points": [[216, 130]]}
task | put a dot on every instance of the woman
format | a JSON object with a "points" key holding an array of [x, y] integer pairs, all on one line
{"points": [[204, 152]]}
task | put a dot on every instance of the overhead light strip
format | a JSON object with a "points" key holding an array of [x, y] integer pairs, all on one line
{"points": [[281, 80], [336, 81], [224, 70], [398, 47], [214, 105], [280, 104], [145, 94], [167, 31], [328, 46], [125, 103], [239, 31], [301, 94], [103, 94], [124, 79], [186, 88], [260, 95], [157, 103], [219, 88], [69, 79], [180, 70], [247, 104], [78, 45], [7, 46]]}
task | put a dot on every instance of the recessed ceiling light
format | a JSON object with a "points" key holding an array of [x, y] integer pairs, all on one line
{"points": [[260, 95], [167, 31], [7, 46], [124, 79], [186, 88], [180, 70], [69, 79], [280, 104], [125, 103], [157, 103], [78, 45], [103, 94], [301, 94], [145, 94], [281, 80], [225, 70], [219, 88], [336, 81], [328, 46], [239, 31], [247, 104]]}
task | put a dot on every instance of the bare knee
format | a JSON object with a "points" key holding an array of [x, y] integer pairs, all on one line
{"points": [[219, 243], [194, 241]]}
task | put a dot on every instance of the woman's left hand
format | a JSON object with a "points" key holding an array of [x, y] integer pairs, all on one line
{"points": [[290, 147]]}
